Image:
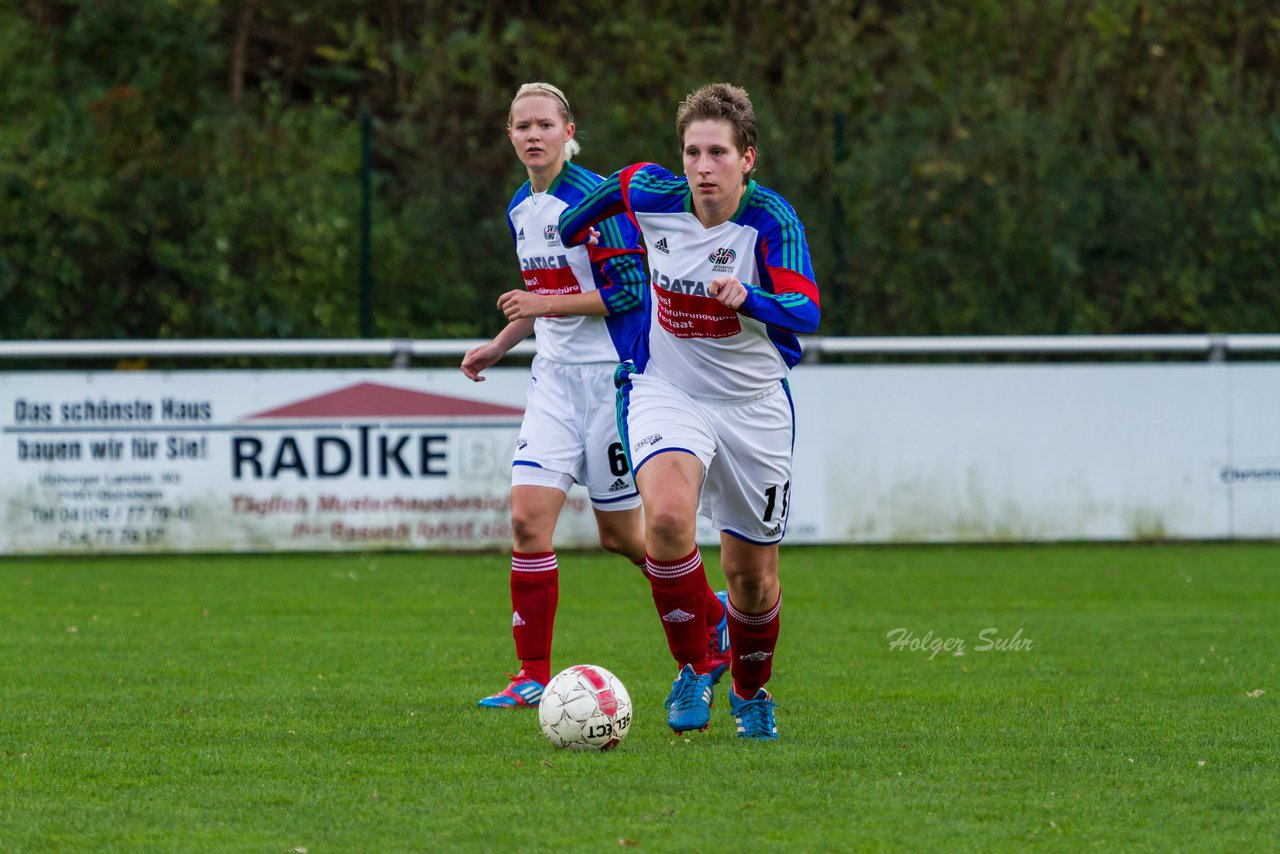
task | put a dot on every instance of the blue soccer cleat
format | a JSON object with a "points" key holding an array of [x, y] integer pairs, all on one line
{"points": [[689, 703], [754, 716], [718, 655], [522, 693]]}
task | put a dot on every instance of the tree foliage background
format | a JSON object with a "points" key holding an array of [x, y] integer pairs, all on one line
{"points": [[190, 168]]}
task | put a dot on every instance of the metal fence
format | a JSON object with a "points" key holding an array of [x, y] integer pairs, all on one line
{"points": [[402, 351]]}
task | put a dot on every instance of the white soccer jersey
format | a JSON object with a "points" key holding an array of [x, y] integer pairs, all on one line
{"points": [[709, 350]]}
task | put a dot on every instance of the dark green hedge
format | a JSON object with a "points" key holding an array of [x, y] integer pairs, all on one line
{"points": [[183, 168]]}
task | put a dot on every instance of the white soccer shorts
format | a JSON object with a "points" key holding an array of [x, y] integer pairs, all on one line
{"points": [[570, 434], [745, 447]]}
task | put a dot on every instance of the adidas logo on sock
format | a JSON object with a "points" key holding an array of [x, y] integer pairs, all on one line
{"points": [[618, 485], [516, 619], [677, 616], [661, 246], [755, 656]]}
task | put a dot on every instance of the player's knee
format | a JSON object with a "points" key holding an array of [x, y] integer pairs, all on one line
{"points": [[668, 526], [527, 527], [752, 591], [612, 541], [621, 532]]}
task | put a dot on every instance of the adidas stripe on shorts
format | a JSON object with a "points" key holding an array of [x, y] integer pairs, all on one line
{"points": [[744, 445], [570, 434]]}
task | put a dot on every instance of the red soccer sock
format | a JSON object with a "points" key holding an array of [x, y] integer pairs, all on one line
{"points": [[715, 611], [678, 592], [535, 592], [752, 638]]}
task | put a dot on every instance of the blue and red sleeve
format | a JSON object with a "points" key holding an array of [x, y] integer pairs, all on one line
{"points": [[609, 199], [787, 296], [619, 265]]}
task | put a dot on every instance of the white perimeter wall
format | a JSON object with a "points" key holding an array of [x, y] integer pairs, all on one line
{"points": [[1043, 452], [883, 454]]}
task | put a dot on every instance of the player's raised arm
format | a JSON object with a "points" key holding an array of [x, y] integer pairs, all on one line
{"points": [[793, 310], [600, 204], [618, 263], [787, 296], [605, 201]]}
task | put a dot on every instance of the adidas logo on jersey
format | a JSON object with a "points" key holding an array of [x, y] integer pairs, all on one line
{"points": [[677, 616], [520, 236], [755, 656], [618, 485], [661, 246], [516, 619]]}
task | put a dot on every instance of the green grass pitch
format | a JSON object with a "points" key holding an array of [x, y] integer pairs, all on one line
{"points": [[327, 703]]}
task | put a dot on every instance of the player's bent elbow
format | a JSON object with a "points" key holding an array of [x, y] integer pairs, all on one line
{"points": [[808, 320]]}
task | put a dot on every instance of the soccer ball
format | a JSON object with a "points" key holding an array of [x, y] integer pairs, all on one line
{"points": [[585, 707]]}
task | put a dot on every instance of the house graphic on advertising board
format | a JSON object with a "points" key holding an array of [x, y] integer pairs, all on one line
{"points": [[369, 401]]}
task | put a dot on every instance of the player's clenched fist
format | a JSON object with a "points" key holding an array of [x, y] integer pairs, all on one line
{"points": [[728, 291], [519, 304]]}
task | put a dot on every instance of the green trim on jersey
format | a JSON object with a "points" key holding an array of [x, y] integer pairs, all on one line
{"points": [[559, 177], [575, 176], [647, 183], [786, 300], [610, 235], [747, 196], [792, 250], [569, 174]]}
